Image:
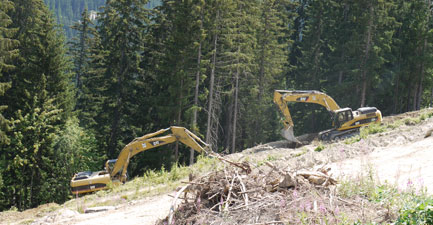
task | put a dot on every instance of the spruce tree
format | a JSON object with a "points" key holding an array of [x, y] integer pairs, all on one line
{"points": [[181, 34], [8, 52], [271, 54], [39, 101], [413, 61], [116, 74], [237, 54]]}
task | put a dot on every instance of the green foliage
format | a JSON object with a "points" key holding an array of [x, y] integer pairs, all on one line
{"points": [[412, 204], [77, 150], [320, 147], [418, 211], [30, 158], [116, 75], [8, 52], [39, 102], [372, 129], [352, 140]]}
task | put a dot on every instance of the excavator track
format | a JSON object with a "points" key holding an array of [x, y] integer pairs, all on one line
{"points": [[334, 135]]}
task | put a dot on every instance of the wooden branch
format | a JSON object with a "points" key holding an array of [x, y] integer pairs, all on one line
{"points": [[244, 189], [244, 166], [226, 208], [173, 204]]}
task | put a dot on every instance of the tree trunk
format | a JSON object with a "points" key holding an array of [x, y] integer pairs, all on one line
{"points": [[342, 56], [211, 87], [179, 118], [229, 125], [431, 98], [397, 86], [257, 122], [197, 84], [235, 110], [366, 55]]}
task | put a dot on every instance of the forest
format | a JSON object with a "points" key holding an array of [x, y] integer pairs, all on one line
{"points": [[67, 105]]}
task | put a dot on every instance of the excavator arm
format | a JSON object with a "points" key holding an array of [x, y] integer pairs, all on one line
{"points": [[154, 140], [282, 97]]}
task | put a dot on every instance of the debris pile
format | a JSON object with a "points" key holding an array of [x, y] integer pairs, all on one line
{"points": [[240, 194]]}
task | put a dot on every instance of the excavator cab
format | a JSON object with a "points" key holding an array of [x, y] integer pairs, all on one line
{"points": [[342, 116]]}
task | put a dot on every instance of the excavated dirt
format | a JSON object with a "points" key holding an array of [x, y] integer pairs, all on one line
{"points": [[400, 156]]}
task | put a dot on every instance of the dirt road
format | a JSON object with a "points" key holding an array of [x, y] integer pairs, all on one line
{"points": [[145, 211]]}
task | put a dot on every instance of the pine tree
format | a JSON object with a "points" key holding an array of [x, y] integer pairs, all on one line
{"points": [[181, 35], [271, 54], [8, 52], [117, 75], [39, 101], [237, 54], [411, 48], [80, 46]]}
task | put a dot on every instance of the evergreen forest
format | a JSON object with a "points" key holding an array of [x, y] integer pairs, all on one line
{"points": [[69, 104]]}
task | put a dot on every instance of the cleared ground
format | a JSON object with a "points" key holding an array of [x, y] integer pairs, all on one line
{"points": [[401, 156]]}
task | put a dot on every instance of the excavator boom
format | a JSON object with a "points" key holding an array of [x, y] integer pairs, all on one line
{"points": [[91, 181]]}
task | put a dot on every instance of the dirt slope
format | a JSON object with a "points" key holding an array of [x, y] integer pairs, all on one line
{"points": [[400, 156], [403, 165]]}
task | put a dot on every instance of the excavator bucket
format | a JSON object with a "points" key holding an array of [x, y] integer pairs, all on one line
{"points": [[289, 135]]}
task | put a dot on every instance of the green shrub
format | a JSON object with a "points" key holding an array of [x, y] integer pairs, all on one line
{"points": [[372, 129], [420, 211], [319, 148], [352, 140]]}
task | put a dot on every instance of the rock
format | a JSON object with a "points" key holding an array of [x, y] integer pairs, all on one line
{"points": [[287, 181], [428, 133]]}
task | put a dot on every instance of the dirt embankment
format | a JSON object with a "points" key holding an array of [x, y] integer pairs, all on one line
{"points": [[400, 156]]}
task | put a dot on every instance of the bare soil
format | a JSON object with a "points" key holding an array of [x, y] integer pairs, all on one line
{"points": [[401, 156]]}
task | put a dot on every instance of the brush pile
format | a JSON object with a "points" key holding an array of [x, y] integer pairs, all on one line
{"points": [[240, 194]]}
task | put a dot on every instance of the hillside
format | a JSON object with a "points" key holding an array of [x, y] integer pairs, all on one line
{"points": [[68, 12], [394, 156]]}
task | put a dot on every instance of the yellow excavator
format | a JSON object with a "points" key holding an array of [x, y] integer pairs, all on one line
{"points": [[115, 169], [346, 122]]}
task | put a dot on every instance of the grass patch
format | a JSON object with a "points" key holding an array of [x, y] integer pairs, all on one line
{"points": [[319, 147], [352, 140], [417, 211], [372, 129], [270, 158], [401, 206]]}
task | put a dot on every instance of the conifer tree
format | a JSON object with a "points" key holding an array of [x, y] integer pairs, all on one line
{"points": [[239, 38], [8, 51], [80, 46], [39, 101], [271, 54], [413, 60], [117, 71], [182, 35]]}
